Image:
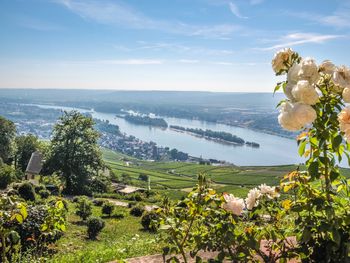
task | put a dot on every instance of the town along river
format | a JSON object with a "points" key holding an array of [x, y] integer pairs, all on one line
{"points": [[273, 150]]}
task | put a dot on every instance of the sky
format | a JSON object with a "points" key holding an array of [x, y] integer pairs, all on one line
{"points": [[198, 45]]}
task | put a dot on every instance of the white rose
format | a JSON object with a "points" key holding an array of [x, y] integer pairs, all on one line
{"points": [[305, 93], [287, 119], [281, 58], [304, 113], [288, 90], [346, 95], [341, 77], [327, 67], [344, 122], [308, 70], [233, 204], [252, 199], [292, 76], [269, 191]]}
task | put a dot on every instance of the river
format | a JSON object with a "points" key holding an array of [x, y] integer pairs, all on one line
{"points": [[274, 150]]}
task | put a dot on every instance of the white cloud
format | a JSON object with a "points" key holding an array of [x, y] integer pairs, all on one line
{"points": [[300, 39], [175, 48], [234, 9], [132, 62], [189, 61], [339, 19], [115, 62], [120, 14]]}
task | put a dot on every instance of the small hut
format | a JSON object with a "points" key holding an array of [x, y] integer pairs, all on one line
{"points": [[34, 165]]}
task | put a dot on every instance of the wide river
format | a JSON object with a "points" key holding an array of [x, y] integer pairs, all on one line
{"points": [[274, 150]]}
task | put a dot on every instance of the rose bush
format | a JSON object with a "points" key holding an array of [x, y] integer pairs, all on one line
{"points": [[307, 217]]}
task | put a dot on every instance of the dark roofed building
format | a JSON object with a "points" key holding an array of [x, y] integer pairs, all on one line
{"points": [[34, 166]]}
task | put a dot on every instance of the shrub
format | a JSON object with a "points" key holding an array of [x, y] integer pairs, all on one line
{"points": [[119, 214], [39, 187], [44, 193], [7, 176], [75, 199], [98, 202], [26, 191], [137, 210], [99, 185], [107, 208], [149, 221], [131, 204], [137, 197], [84, 207], [94, 226]]}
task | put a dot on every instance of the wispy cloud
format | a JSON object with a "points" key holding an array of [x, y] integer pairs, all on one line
{"points": [[340, 18], [188, 61], [116, 62], [300, 39], [234, 9], [120, 14], [37, 24], [175, 48]]}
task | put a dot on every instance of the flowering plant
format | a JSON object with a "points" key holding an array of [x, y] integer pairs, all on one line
{"points": [[316, 97], [307, 217]]}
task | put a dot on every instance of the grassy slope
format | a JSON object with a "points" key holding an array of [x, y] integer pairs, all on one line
{"points": [[120, 239], [124, 238]]}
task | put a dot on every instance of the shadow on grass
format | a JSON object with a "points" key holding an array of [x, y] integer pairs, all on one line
{"points": [[79, 223], [113, 216]]}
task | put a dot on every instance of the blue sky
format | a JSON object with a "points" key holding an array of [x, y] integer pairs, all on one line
{"points": [[215, 45]]}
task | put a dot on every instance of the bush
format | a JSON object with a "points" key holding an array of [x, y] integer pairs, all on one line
{"points": [[26, 191], [149, 221], [39, 187], [7, 176], [54, 189], [137, 197], [131, 204], [98, 202], [107, 209], [44, 193], [75, 199], [84, 207], [119, 214], [94, 226], [137, 210], [98, 185]]}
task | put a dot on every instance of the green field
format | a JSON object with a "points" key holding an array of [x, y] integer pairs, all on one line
{"points": [[177, 177]]}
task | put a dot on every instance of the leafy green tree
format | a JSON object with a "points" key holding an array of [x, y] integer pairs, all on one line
{"points": [[7, 176], [25, 146], [74, 153], [7, 136]]}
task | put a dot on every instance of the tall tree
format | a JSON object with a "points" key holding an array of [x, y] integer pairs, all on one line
{"points": [[7, 136], [75, 154], [25, 146]]}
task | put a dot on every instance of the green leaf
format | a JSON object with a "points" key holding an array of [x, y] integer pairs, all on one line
{"points": [[278, 86], [334, 175], [337, 141], [313, 169], [19, 218], [302, 148]]}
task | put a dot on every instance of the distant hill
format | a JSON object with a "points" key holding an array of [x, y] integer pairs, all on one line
{"points": [[209, 99]]}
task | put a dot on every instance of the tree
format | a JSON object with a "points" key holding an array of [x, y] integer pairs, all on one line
{"points": [[74, 153], [7, 136], [25, 146]]}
